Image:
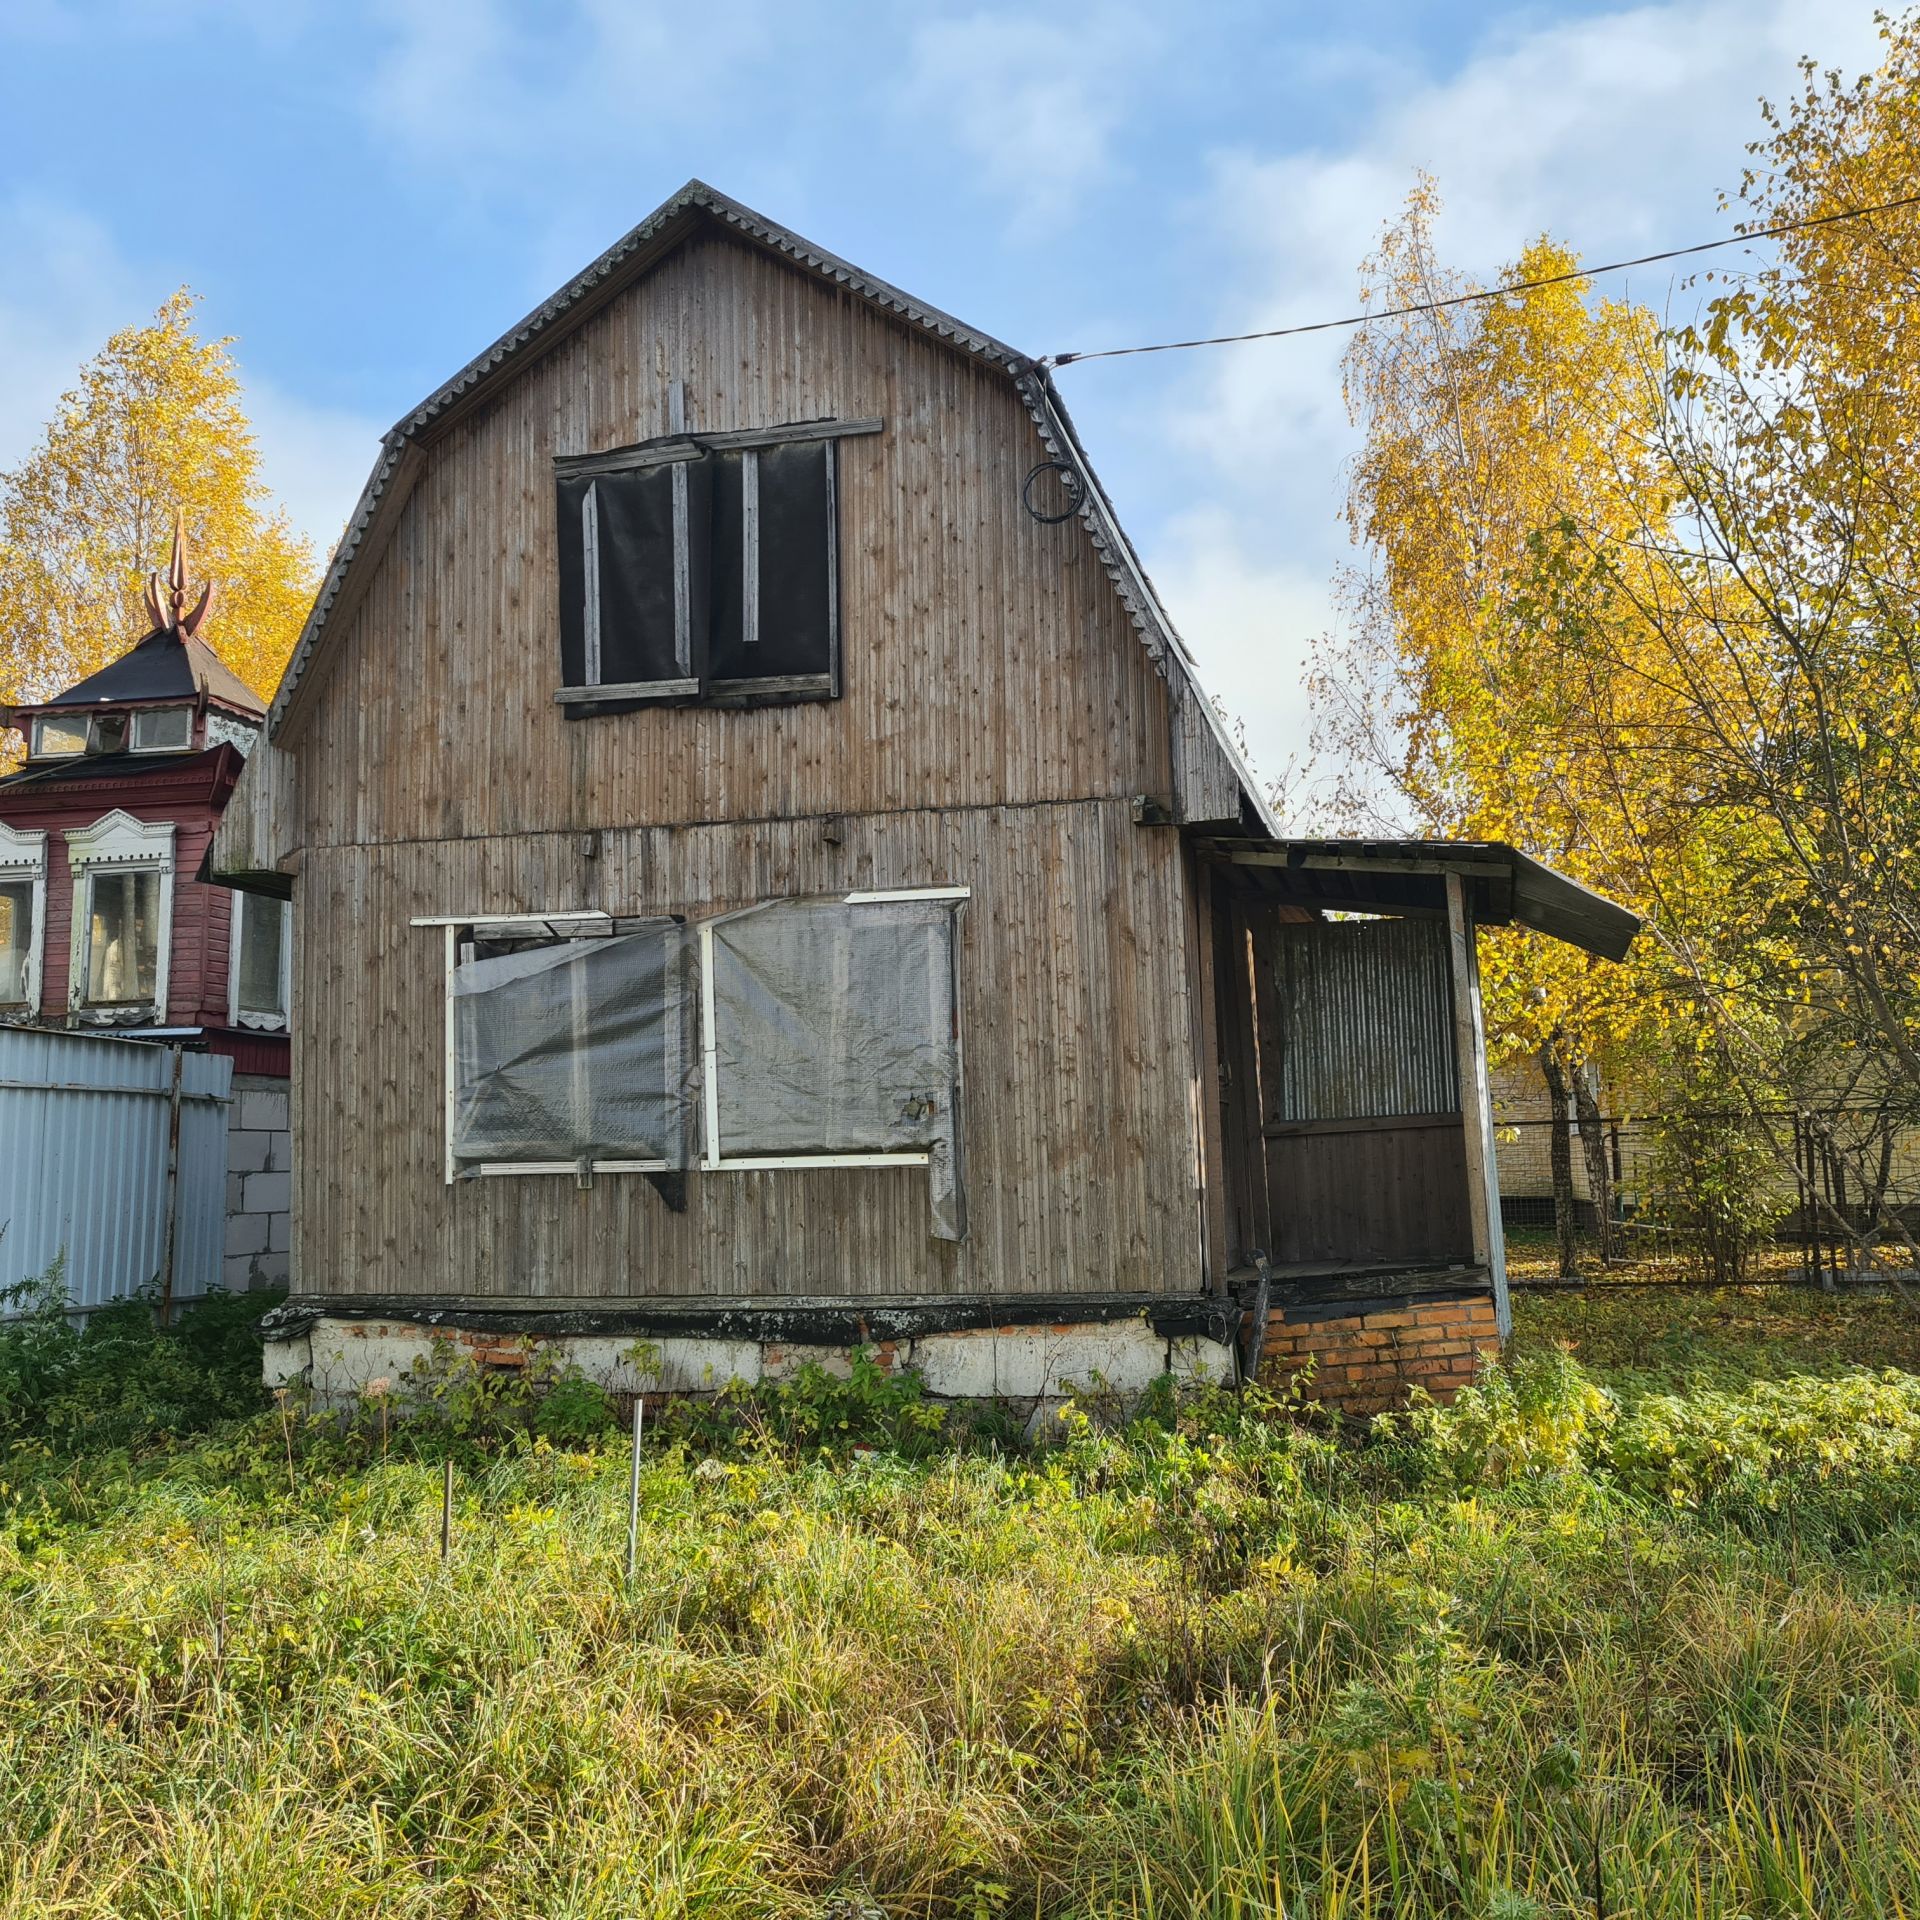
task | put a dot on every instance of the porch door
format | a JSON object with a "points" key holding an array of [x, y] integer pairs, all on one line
{"points": [[1365, 1155]]}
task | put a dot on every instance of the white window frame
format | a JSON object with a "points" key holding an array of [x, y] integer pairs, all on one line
{"points": [[713, 1160], [141, 713], [244, 904], [118, 843], [23, 856], [572, 924], [80, 720]]}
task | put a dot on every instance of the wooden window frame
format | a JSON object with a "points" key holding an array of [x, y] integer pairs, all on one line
{"points": [[243, 905], [574, 924], [117, 843], [143, 713], [23, 861], [712, 1159], [693, 688], [82, 723]]}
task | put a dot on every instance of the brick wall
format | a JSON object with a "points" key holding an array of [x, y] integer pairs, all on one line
{"points": [[1367, 1361], [259, 1184]]}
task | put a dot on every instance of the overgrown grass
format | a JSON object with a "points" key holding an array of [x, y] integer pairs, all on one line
{"points": [[1562, 1650]]}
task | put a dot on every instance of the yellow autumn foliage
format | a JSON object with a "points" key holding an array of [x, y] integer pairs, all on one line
{"points": [[155, 423]]}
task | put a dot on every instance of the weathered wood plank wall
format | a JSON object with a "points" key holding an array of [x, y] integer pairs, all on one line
{"points": [[986, 659], [1074, 1012], [999, 712]]}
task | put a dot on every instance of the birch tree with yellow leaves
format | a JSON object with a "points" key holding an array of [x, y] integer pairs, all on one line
{"points": [[156, 423], [1648, 600]]}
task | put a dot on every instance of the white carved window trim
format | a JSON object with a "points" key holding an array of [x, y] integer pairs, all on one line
{"points": [[244, 904], [23, 856], [118, 843]]}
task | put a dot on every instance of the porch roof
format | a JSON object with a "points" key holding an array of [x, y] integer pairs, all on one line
{"points": [[1408, 877]]}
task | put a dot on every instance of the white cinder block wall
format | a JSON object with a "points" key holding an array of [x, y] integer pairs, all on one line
{"points": [[259, 1184]]}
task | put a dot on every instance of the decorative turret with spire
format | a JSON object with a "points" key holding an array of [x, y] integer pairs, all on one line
{"points": [[169, 694]]}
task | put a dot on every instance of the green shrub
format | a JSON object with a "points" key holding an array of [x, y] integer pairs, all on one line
{"points": [[1711, 1181], [1541, 1414], [119, 1379], [818, 1411], [1778, 1443]]}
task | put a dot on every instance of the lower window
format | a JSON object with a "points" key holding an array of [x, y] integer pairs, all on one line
{"points": [[19, 943], [260, 989], [123, 939], [832, 1038], [566, 1050], [826, 1034]]}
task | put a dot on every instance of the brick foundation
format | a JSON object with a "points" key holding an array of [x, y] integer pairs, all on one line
{"points": [[1367, 1361]]}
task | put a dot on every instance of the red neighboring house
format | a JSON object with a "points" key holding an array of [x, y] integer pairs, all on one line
{"points": [[105, 921]]}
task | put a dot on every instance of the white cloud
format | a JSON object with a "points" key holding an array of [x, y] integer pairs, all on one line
{"points": [[492, 83], [1615, 131], [315, 459], [69, 290], [1035, 107]]}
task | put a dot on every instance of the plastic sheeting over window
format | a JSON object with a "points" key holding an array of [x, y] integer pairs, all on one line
{"points": [[572, 1052], [832, 1033]]}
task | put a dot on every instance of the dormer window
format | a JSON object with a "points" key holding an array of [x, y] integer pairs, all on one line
{"points": [[702, 568], [57, 738], [163, 730]]}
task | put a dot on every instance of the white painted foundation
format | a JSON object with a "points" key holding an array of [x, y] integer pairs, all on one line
{"points": [[340, 1359]]}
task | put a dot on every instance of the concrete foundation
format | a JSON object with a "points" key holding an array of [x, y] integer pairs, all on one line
{"points": [[339, 1358]]}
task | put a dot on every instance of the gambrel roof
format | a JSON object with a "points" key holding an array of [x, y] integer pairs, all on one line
{"points": [[626, 261]]}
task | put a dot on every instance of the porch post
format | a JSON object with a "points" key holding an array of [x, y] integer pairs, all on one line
{"points": [[1476, 1100]]}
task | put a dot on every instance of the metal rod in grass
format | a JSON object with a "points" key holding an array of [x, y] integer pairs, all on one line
{"points": [[446, 1511], [633, 1486]]}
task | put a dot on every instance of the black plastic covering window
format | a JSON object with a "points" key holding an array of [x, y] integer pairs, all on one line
{"points": [[786, 632]]}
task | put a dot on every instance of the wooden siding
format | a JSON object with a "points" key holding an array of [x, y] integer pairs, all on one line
{"points": [[1206, 789], [988, 659], [1075, 1012], [255, 834], [999, 713]]}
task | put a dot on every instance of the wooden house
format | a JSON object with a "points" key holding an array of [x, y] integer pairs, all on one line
{"points": [[766, 878], [105, 921], [109, 926]]}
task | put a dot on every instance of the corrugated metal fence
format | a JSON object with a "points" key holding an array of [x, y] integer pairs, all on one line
{"points": [[92, 1166]]}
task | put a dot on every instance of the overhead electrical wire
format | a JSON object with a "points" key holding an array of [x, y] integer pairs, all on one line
{"points": [[1052, 360]]}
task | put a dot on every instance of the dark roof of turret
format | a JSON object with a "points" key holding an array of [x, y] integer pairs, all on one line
{"points": [[165, 666]]}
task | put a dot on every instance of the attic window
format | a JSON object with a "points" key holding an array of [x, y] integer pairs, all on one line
{"points": [[702, 569], [55, 738], [163, 730]]}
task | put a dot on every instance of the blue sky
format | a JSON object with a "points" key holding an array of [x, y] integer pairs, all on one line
{"points": [[366, 194]]}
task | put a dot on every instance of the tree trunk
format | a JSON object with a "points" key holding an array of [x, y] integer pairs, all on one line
{"points": [[1561, 1150], [1593, 1144]]}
